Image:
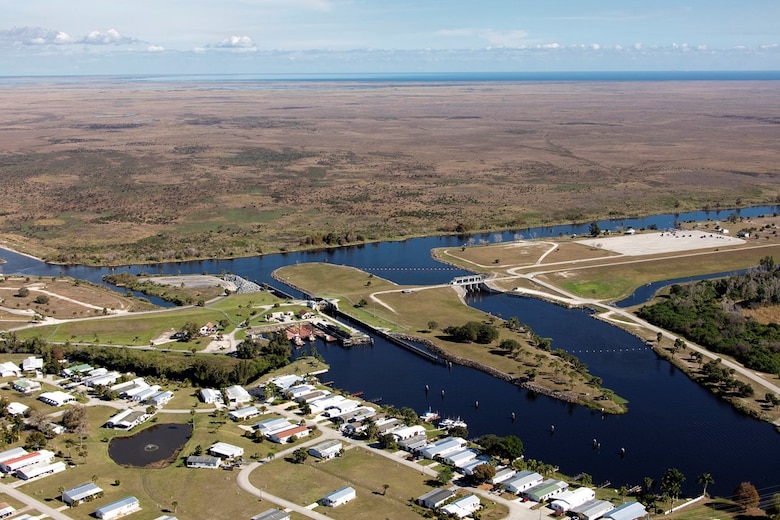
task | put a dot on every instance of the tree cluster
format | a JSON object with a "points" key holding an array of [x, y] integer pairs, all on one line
{"points": [[473, 332], [509, 447], [708, 313]]}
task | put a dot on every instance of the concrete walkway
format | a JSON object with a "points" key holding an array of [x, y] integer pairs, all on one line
{"points": [[33, 503]]}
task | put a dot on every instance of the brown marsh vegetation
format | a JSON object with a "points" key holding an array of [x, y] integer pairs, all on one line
{"points": [[110, 173]]}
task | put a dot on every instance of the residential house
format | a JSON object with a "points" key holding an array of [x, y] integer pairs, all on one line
{"points": [[16, 408], [56, 398], [272, 514], [244, 413], [119, 508], [203, 461], [443, 447], [225, 450], [32, 364], [26, 460], [296, 432], [9, 369], [468, 467], [522, 481], [208, 329], [84, 492], [401, 434], [339, 497], [26, 386], [298, 390], [436, 498], [237, 395], [160, 398], [287, 381], [463, 507], [460, 458], [127, 419], [546, 490], [502, 475], [39, 470], [572, 498], [327, 449], [592, 509], [627, 511], [6, 509], [13, 453], [270, 426], [210, 396]]}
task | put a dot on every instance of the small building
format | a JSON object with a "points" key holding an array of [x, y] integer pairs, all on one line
{"points": [[160, 398], [77, 371], [56, 398], [203, 461], [414, 444], [25, 386], [463, 507], [345, 406], [443, 447], [26, 460], [121, 387], [469, 467], [139, 385], [461, 457], [272, 514], [296, 432], [145, 394], [592, 509], [522, 481], [127, 419], [237, 395], [32, 364], [502, 475], [17, 408], [40, 470], [339, 497], [435, 498], [401, 434], [210, 396], [119, 508], [327, 449], [107, 379], [311, 396], [388, 425], [244, 413], [572, 498], [298, 390], [546, 490], [270, 426], [13, 453], [9, 369], [287, 381], [84, 492], [6, 509], [627, 511], [225, 450], [208, 329]]}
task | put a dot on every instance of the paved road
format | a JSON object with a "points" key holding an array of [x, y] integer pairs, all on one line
{"points": [[32, 502]]}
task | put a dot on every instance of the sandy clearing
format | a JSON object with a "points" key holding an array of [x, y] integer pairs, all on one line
{"points": [[662, 242], [192, 281]]}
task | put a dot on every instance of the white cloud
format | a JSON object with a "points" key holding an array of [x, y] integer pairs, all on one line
{"points": [[109, 37], [34, 36], [236, 44], [155, 48]]}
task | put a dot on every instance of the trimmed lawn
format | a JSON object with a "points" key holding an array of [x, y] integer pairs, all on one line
{"points": [[366, 472]]}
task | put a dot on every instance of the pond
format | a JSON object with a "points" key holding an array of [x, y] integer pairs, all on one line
{"points": [[154, 447]]}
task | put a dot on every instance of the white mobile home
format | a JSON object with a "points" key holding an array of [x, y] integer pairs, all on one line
{"points": [[56, 398], [270, 426], [572, 498], [502, 475], [546, 490], [461, 457], [203, 461], [40, 470], [401, 434], [627, 511], [24, 461], [26, 386], [78, 494], [327, 449], [237, 395], [9, 369], [160, 398], [13, 453], [244, 413], [296, 391], [284, 436], [228, 451], [339, 497], [593, 509], [272, 514], [127, 419], [210, 396], [463, 507], [435, 498], [285, 382], [119, 508], [32, 364], [443, 447], [522, 481]]}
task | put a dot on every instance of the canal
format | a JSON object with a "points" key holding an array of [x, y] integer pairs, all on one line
{"points": [[672, 422]]}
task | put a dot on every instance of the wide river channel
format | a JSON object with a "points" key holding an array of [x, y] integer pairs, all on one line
{"points": [[671, 422]]}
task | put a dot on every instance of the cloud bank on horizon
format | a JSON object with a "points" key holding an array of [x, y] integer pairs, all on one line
{"points": [[49, 37]]}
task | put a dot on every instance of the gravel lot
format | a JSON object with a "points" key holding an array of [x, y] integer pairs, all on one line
{"points": [[665, 242]]}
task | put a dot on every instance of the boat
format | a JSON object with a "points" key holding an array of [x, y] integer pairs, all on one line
{"points": [[448, 423], [430, 416]]}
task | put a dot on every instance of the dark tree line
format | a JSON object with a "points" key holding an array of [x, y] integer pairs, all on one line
{"points": [[708, 313], [473, 332]]}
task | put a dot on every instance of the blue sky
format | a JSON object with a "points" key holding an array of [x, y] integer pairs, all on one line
{"points": [[311, 36]]}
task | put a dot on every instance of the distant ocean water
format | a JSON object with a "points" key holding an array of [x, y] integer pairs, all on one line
{"points": [[415, 77]]}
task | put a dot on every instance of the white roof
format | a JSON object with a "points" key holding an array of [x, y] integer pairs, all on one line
{"points": [[32, 363], [57, 397], [226, 450], [17, 408], [285, 382], [627, 511], [8, 366], [237, 392]]}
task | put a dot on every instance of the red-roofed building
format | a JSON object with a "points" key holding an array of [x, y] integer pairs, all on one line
{"points": [[285, 435]]}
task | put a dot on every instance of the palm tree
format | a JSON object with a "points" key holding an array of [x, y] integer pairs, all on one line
{"points": [[648, 484], [671, 484], [705, 479]]}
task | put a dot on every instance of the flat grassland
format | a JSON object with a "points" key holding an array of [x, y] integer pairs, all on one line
{"points": [[111, 173]]}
